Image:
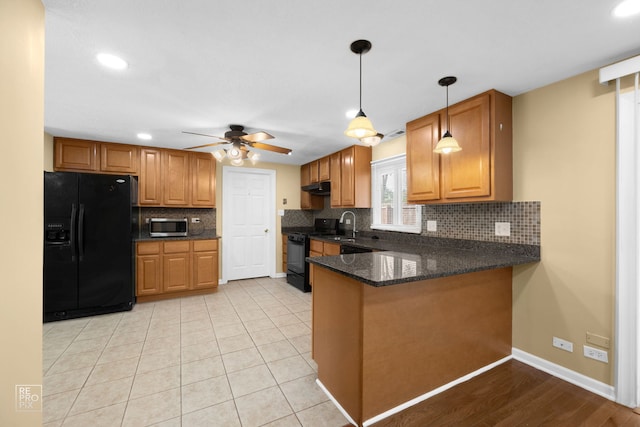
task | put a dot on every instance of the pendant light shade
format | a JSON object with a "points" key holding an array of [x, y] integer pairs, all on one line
{"points": [[360, 126], [372, 140], [448, 144]]}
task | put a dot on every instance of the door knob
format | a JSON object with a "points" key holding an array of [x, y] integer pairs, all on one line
{"points": [[266, 230]]}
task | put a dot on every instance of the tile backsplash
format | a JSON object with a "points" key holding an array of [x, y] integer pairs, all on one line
{"points": [[467, 221]]}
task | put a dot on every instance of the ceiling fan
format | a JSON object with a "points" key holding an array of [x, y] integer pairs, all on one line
{"points": [[241, 140]]}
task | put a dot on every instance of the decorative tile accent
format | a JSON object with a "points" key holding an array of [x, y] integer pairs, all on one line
{"points": [[466, 221]]}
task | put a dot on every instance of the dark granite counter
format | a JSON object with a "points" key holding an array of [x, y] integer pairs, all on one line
{"points": [[206, 234], [398, 262]]}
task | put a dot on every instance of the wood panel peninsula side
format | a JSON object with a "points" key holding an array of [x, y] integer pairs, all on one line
{"points": [[390, 327]]}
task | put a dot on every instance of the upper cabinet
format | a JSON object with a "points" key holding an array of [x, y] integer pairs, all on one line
{"points": [[173, 178], [353, 186], [482, 171], [79, 155], [308, 200], [319, 170], [75, 155]]}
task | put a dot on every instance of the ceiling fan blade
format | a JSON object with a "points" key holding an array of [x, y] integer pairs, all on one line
{"points": [[267, 147], [208, 145], [204, 134], [257, 137]]}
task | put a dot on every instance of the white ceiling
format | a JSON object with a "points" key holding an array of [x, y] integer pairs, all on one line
{"points": [[285, 67]]}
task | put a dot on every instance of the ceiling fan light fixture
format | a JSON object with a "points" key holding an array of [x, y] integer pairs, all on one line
{"points": [[234, 153], [448, 144], [360, 126], [219, 155], [372, 140], [237, 162]]}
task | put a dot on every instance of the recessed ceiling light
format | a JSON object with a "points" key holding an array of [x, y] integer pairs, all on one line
{"points": [[627, 8], [144, 136], [350, 114], [112, 61]]}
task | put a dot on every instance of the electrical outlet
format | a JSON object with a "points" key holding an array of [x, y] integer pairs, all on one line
{"points": [[195, 220], [432, 226], [563, 344], [503, 229], [596, 354]]}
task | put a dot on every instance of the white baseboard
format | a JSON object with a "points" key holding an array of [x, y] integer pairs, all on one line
{"points": [[279, 275], [575, 378], [416, 400]]}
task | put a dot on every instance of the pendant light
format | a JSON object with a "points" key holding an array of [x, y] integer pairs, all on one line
{"points": [[360, 126], [448, 143]]}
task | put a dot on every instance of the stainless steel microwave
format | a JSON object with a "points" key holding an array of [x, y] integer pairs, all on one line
{"points": [[168, 227]]}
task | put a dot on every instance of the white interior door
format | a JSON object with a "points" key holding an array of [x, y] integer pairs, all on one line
{"points": [[248, 222]]}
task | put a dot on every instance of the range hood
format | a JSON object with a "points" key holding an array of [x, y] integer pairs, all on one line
{"points": [[318, 188]]}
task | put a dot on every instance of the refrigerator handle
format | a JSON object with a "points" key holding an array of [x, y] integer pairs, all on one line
{"points": [[81, 232], [72, 234]]}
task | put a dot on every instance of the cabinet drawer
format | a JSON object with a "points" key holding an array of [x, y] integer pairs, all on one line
{"points": [[316, 246], [331, 249], [148, 248], [205, 245], [176, 247]]}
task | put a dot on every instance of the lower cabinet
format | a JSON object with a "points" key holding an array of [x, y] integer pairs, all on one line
{"points": [[320, 248], [165, 269]]}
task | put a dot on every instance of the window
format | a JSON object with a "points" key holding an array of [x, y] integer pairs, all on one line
{"points": [[389, 199]]}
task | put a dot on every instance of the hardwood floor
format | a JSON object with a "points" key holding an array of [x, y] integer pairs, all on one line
{"points": [[515, 394]]}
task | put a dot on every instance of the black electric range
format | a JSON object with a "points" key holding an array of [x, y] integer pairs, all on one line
{"points": [[298, 250]]}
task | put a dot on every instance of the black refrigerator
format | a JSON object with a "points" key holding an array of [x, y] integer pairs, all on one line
{"points": [[88, 250]]}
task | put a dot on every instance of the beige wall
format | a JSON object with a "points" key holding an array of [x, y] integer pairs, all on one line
{"points": [[287, 187], [48, 152], [564, 156], [389, 148], [21, 121]]}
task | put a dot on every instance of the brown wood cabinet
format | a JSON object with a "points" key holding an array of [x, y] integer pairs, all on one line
{"points": [[321, 248], [167, 269], [150, 182], [203, 180], [148, 269], [175, 266], [165, 177], [175, 177], [324, 169], [284, 253], [354, 187], [77, 155], [482, 171], [119, 158], [205, 264], [308, 200]]}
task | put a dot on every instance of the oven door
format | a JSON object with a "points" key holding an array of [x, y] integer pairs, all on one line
{"points": [[297, 251]]}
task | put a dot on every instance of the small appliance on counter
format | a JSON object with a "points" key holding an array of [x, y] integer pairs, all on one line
{"points": [[168, 227], [298, 250]]}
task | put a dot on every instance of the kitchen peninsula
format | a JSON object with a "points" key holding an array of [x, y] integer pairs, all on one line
{"points": [[391, 326]]}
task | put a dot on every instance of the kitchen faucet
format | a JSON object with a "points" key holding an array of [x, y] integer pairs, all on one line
{"points": [[353, 230]]}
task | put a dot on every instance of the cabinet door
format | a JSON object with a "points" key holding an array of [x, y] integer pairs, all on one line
{"points": [[347, 178], [324, 169], [150, 182], [148, 269], [203, 180], [175, 272], [205, 270], [423, 166], [75, 155], [119, 158], [335, 160], [330, 249], [308, 200], [175, 173], [467, 173], [148, 275], [314, 173]]}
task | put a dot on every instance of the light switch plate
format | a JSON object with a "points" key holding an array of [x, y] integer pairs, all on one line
{"points": [[432, 226]]}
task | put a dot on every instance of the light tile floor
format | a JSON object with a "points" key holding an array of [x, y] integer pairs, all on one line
{"points": [[238, 357]]}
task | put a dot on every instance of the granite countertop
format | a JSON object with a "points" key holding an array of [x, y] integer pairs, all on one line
{"points": [[143, 236], [399, 262]]}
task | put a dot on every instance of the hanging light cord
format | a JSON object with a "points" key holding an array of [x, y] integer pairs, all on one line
{"points": [[447, 108], [360, 55]]}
